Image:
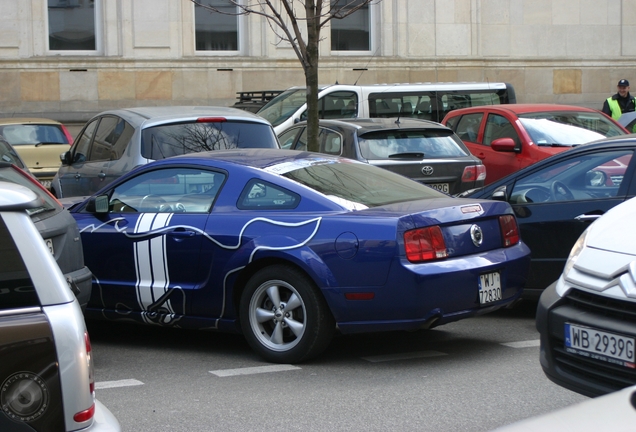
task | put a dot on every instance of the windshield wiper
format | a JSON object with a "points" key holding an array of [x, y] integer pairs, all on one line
{"points": [[45, 143], [412, 155]]}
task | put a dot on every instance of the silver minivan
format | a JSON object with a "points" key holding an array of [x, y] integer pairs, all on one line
{"points": [[114, 142], [46, 360]]}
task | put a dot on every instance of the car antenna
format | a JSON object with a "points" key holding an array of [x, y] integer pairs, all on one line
{"points": [[365, 68]]}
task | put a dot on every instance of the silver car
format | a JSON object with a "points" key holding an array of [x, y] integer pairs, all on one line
{"points": [[46, 360], [114, 142]]}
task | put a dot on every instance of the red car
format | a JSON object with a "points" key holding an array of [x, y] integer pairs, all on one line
{"points": [[512, 136]]}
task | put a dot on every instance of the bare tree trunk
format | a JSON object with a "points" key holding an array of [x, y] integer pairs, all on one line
{"points": [[313, 12]]}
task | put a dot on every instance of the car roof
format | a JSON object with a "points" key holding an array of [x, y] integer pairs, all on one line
{"points": [[26, 120], [364, 125], [524, 108], [158, 114]]}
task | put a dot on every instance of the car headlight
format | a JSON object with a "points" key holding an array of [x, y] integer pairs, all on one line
{"points": [[575, 252]]}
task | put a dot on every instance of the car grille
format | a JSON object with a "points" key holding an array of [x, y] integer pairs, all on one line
{"points": [[616, 179], [601, 373]]}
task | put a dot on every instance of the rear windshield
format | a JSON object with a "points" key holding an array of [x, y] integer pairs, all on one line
{"points": [[164, 141], [16, 287], [33, 134], [404, 143], [569, 128], [358, 185]]}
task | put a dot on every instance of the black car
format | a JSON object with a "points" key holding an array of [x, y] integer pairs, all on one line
{"points": [[422, 150], [557, 198]]}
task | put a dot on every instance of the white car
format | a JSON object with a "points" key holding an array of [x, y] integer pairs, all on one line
{"points": [[587, 318], [46, 361]]}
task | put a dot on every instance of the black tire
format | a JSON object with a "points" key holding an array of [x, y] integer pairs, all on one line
{"points": [[284, 317]]}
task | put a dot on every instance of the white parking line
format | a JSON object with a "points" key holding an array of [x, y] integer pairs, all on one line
{"points": [[253, 370], [403, 356], [120, 383], [523, 344]]}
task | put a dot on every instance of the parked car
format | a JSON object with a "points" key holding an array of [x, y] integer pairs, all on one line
{"points": [[510, 137], [58, 229], [422, 150], [586, 318], [285, 245], [46, 360], [114, 142], [39, 143], [557, 198], [613, 412], [628, 121]]}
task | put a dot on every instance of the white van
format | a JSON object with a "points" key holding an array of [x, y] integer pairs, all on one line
{"points": [[430, 101]]}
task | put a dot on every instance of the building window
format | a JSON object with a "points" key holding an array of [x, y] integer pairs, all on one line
{"points": [[216, 31], [72, 25], [351, 33]]}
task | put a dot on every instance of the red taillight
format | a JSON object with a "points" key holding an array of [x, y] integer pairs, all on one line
{"points": [[35, 182], [211, 120], [67, 134], [474, 173], [425, 244], [509, 230], [85, 415], [89, 363]]}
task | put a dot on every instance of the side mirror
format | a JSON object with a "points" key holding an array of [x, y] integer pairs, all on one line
{"points": [[66, 158], [500, 193], [503, 145], [595, 178], [98, 204]]}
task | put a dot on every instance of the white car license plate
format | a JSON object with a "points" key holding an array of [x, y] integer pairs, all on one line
{"points": [[442, 187], [489, 287], [49, 244], [600, 345]]}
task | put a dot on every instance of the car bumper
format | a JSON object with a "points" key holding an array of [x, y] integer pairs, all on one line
{"points": [[420, 296], [584, 375], [103, 420]]}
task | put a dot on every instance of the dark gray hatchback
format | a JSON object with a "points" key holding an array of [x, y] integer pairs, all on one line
{"points": [[425, 151]]}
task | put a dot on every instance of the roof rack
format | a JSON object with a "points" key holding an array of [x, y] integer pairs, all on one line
{"points": [[253, 100]]}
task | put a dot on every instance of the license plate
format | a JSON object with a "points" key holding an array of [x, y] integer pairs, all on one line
{"points": [[489, 287], [442, 187], [49, 244], [600, 345]]}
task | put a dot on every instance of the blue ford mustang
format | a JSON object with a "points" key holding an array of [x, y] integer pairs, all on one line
{"points": [[285, 246]]}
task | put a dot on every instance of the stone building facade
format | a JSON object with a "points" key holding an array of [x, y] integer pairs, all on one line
{"points": [[556, 51]]}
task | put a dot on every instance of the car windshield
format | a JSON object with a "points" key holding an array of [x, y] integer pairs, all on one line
{"points": [[160, 142], [357, 185], [416, 144], [283, 106], [30, 134], [568, 128]]}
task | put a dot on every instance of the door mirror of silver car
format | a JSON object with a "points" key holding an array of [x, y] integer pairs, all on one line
{"points": [[503, 145]]}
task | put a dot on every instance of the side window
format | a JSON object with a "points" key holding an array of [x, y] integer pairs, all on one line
{"points": [[342, 104], [16, 287], [174, 190], [120, 137], [288, 138], [261, 195], [330, 142], [585, 177], [102, 144], [499, 127], [83, 142], [468, 126], [301, 144]]}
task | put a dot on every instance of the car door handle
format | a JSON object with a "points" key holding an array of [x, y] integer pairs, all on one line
{"points": [[182, 233], [101, 176], [587, 217], [77, 176]]}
